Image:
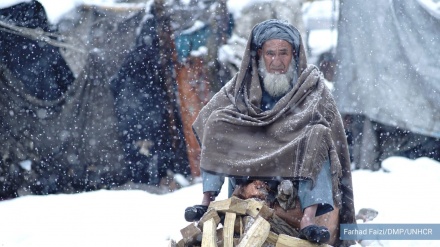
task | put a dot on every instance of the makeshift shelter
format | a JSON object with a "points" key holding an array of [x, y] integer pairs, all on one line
{"points": [[200, 28], [94, 114], [388, 79]]}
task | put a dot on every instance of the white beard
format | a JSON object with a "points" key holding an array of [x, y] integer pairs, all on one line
{"points": [[277, 85]]}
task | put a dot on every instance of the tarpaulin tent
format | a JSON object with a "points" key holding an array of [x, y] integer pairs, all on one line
{"points": [[83, 133], [388, 79]]}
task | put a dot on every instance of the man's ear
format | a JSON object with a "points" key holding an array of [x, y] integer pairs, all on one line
{"points": [[259, 52]]}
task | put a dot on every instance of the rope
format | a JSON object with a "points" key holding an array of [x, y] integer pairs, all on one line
{"points": [[40, 35]]}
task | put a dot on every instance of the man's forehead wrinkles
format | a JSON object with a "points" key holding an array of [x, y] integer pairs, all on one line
{"points": [[277, 48]]}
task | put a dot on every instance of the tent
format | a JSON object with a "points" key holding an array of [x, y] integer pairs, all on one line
{"points": [[83, 105], [388, 79]]}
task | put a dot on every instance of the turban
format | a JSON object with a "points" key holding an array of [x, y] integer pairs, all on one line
{"points": [[275, 29]]}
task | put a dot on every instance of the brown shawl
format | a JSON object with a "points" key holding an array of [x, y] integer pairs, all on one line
{"points": [[292, 140]]}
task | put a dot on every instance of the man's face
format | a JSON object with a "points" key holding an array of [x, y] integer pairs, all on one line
{"points": [[277, 55]]}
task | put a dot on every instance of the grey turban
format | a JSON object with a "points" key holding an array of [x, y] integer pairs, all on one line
{"points": [[275, 29]]}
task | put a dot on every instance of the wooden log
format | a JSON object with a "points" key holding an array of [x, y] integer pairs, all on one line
{"points": [[247, 222], [190, 233], [210, 214], [232, 205], [292, 218], [279, 226], [288, 241], [238, 228], [228, 229], [236, 241], [220, 237], [257, 207], [257, 234], [209, 238], [272, 238]]}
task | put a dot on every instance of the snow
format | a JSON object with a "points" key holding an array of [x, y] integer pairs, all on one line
{"points": [[9, 3], [404, 191], [56, 9], [196, 27], [99, 218], [316, 45], [236, 6], [432, 6]]}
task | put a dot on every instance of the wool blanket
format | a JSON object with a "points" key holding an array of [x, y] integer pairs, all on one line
{"points": [[290, 141]]}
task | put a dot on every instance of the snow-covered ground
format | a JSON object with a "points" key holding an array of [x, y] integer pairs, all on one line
{"points": [[405, 191]]}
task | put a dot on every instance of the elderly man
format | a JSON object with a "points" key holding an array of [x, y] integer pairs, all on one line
{"points": [[275, 121]]}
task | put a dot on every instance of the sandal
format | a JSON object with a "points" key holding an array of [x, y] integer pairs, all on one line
{"points": [[314, 233], [195, 212]]}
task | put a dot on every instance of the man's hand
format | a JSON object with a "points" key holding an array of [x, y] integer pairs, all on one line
{"points": [[286, 194]]}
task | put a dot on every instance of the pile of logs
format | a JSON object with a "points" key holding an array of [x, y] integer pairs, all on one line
{"points": [[242, 223]]}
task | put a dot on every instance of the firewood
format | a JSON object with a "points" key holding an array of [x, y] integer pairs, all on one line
{"points": [[210, 214], [289, 241], [272, 238], [232, 205], [238, 227], [220, 236], [258, 207], [257, 234], [228, 229], [236, 241], [279, 226], [190, 233], [247, 222], [209, 238]]}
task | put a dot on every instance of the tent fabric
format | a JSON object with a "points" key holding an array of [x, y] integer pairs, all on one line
{"points": [[71, 141], [44, 73], [141, 107], [75, 140], [388, 54]]}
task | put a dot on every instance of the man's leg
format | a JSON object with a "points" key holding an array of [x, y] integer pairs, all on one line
{"points": [[308, 218], [212, 184], [315, 200], [320, 194]]}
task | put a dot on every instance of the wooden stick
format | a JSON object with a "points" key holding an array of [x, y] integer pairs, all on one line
{"points": [[228, 229], [209, 234], [288, 241], [211, 214], [257, 234], [233, 205]]}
